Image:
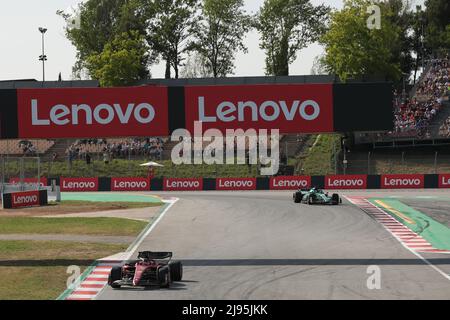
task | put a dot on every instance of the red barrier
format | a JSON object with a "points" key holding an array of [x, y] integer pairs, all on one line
{"points": [[301, 107], [290, 182], [130, 184], [25, 199], [346, 182], [402, 181], [30, 181], [444, 181], [236, 184], [182, 184], [79, 184], [88, 112]]}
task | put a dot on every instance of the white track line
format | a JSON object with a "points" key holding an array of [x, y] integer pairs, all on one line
{"points": [[445, 275], [153, 226]]}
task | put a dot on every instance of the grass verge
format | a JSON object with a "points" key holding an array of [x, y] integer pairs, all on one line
{"points": [[36, 270], [77, 206], [317, 157], [79, 226]]}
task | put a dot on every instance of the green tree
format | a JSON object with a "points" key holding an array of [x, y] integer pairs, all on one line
{"points": [[221, 34], [417, 39], [170, 28], [399, 14], [195, 67], [121, 60], [438, 19], [287, 26], [100, 22], [352, 49]]}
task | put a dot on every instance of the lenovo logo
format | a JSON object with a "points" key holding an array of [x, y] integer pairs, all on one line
{"points": [[102, 114], [289, 183], [346, 182], [30, 181], [79, 184], [130, 184], [269, 111], [236, 184], [175, 184], [18, 200], [402, 181]]}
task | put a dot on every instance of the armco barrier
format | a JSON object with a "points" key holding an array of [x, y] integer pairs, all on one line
{"points": [[361, 182]]}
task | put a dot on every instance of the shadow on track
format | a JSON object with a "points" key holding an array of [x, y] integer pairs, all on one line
{"points": [[309, 262]]}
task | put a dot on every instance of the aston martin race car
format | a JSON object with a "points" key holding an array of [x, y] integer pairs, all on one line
{"points": [[316, 196], [151, 269]]}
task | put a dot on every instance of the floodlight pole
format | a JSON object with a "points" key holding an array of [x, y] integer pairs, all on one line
{"points": [[43, 57]]}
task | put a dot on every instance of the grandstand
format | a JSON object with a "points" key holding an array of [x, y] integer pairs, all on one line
{"points": [[25, 147], [421, 118]]}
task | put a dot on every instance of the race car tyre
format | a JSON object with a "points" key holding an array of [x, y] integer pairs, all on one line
{"points": [[298, 197], [164, 277], [114, 275], [176, 270], [335, 200]]}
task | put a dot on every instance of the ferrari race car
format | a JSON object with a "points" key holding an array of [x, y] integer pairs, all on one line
{"points": [[151, 269], [316, 196]]}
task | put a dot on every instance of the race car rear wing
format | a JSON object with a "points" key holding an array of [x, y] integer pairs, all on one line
{"points": [[149, 255]]}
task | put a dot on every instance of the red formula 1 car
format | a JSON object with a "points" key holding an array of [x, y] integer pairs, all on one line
{"points": [[151, 269]]}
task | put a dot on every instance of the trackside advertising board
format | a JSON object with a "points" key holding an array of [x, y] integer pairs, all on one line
{"points": [[290, 183], [24, 199], [361, 182], [402, 181], [130, 184], [90, 112], [289, 108], [181, 184], [444, 181], [288, 104], [30, 181], [236, 184], [79, 184], [346, 182]]}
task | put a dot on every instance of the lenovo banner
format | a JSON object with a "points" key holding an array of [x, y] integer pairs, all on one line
{"points": [[402, 181], [290, 183], [79, 184], [236, 184], [444, 181], [25, 199], [130, 184], [181, 184], [30, 181], [91, 112], [289, 108], [346, 182]]}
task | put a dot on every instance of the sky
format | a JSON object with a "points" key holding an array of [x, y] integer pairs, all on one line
{"points": [[20, 42]]}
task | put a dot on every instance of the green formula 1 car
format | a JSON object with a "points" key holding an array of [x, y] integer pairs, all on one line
{"points": [[316, 196]]}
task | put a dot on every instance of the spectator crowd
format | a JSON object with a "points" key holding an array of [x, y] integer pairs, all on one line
{"points": [[444, 130], [117, 148], [413, 116]]}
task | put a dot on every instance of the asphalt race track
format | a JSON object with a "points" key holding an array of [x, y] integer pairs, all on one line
{"points": [[261, 245]]}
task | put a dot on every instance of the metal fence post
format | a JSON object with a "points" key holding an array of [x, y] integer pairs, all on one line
{"points": [[335, 158], [368, 163], [435, 162], [39, 172]]}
